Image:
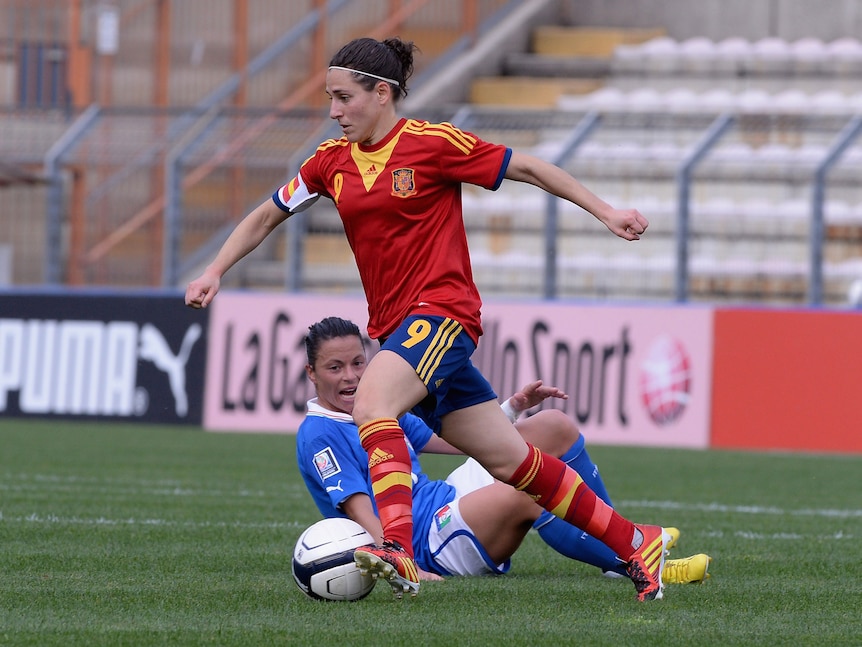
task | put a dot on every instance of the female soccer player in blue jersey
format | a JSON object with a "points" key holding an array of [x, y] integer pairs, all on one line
{"points": [[469, 524]]}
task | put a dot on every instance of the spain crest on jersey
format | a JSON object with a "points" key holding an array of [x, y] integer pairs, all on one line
{"points": [[403, 185]]}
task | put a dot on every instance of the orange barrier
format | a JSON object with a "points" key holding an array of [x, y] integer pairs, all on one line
{"points": [[787, 380]]}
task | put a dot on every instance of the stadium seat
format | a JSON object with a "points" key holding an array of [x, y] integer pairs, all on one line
{"points": [[698, 55], [791, 101], [733, 55], [661, 56], [771, 56], [682, 100], [754, 100], [809, 56], [829, 102], [717, 100]]}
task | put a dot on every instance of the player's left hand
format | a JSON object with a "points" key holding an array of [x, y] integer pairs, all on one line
{"points": [[626, 223], [426, 576], [534, 393], [202, 290]]}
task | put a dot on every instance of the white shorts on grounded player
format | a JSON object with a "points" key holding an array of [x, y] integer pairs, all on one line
{"points": [[454, 547]]}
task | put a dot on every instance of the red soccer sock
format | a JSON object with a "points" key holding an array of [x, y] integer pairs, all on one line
{"points": [[562, 492], [391, 481]]}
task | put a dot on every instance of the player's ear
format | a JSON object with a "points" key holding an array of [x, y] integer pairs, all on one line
{"points": [[384, 91], [309, 371]]}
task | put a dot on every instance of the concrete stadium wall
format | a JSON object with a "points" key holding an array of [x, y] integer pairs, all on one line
{"points": [[718, 19]]}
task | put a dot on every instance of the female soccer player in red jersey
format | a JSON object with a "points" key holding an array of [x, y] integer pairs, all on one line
{"points": [[396, 183]]}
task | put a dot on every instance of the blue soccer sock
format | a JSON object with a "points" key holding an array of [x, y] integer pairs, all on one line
{"points": [[579, 460], [565, 538], [576, 544]]}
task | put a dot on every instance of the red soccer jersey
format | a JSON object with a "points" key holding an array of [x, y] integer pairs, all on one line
{"points": [[400, 202]]}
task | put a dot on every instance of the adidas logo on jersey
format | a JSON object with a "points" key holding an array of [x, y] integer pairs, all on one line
{"points": [[378, 456], [372, 170]]}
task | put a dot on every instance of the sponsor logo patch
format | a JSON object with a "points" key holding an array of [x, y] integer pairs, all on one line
{"points": [[326, 464]]}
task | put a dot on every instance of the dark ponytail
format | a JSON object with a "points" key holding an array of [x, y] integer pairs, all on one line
{"points": [[391, 59]]}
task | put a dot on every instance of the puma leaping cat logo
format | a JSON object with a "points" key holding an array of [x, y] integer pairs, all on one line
{"points": [[155, 348]]}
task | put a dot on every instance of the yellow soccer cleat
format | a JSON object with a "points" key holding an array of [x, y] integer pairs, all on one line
{"points": [[689, 570], [674, 537]]}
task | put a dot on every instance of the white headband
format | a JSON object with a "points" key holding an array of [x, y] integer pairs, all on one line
{"points": [[373, 76]]}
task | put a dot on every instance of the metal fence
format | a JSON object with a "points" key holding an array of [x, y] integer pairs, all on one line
{"points": [[753, 206], [743, 207], [758, 204], [88, 172], [71, 53], [747, 207]]}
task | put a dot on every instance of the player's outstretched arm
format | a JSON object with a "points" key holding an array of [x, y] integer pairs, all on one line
{"points": [[625, 223], [247, 235]]}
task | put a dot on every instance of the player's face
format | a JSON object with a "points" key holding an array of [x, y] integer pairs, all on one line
{"points": [[335, 375], [364, 116]]}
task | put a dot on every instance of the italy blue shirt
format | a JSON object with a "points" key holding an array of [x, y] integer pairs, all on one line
{"points": [[334, 466]]}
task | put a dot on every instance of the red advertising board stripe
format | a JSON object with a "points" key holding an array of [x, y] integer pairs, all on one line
{"points": [[787, 380]]}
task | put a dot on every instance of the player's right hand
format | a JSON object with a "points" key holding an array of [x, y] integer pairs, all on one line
{"points": [[202, 290]]}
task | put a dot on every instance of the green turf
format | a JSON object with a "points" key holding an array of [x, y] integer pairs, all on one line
{"points": [[141, 535]]}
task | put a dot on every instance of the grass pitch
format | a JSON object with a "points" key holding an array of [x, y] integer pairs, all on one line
{"points": [[141, 535]]}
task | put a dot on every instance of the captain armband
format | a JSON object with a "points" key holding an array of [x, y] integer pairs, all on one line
{"points": [[294, 196]]}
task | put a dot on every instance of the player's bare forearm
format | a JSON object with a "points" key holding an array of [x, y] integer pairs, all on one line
{"points": [[359, 508], [625, 223], [247, 235]]}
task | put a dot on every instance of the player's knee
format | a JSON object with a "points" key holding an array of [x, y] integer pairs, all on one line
{"points": [[365, 411], [526, 510], [561, 431], [518, 507]]}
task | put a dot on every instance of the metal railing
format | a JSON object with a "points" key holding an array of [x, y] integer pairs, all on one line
{"points": [[158, 162]]}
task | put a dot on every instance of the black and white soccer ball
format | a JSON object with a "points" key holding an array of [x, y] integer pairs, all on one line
{"points": [[323, 566]]}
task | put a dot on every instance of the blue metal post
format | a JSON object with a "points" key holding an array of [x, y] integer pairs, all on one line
{"points": [[577, 137], [54, 207], [173, 197], [683, 181], [817, 235]]}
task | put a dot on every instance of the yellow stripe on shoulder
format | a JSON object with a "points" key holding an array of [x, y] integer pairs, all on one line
{"points": [[447, 131], [332, 143], [457, 132]]}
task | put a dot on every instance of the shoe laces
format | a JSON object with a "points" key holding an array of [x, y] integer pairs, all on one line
{"points": [[389, 544], [676, 570]]}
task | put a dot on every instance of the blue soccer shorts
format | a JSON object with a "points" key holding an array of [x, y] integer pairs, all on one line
{"points": [[439, 351], [454, 547]]}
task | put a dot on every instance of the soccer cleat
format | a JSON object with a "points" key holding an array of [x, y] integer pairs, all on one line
{"points": [[674, 537], [391, 562], [689, 570], [647, 562]]}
